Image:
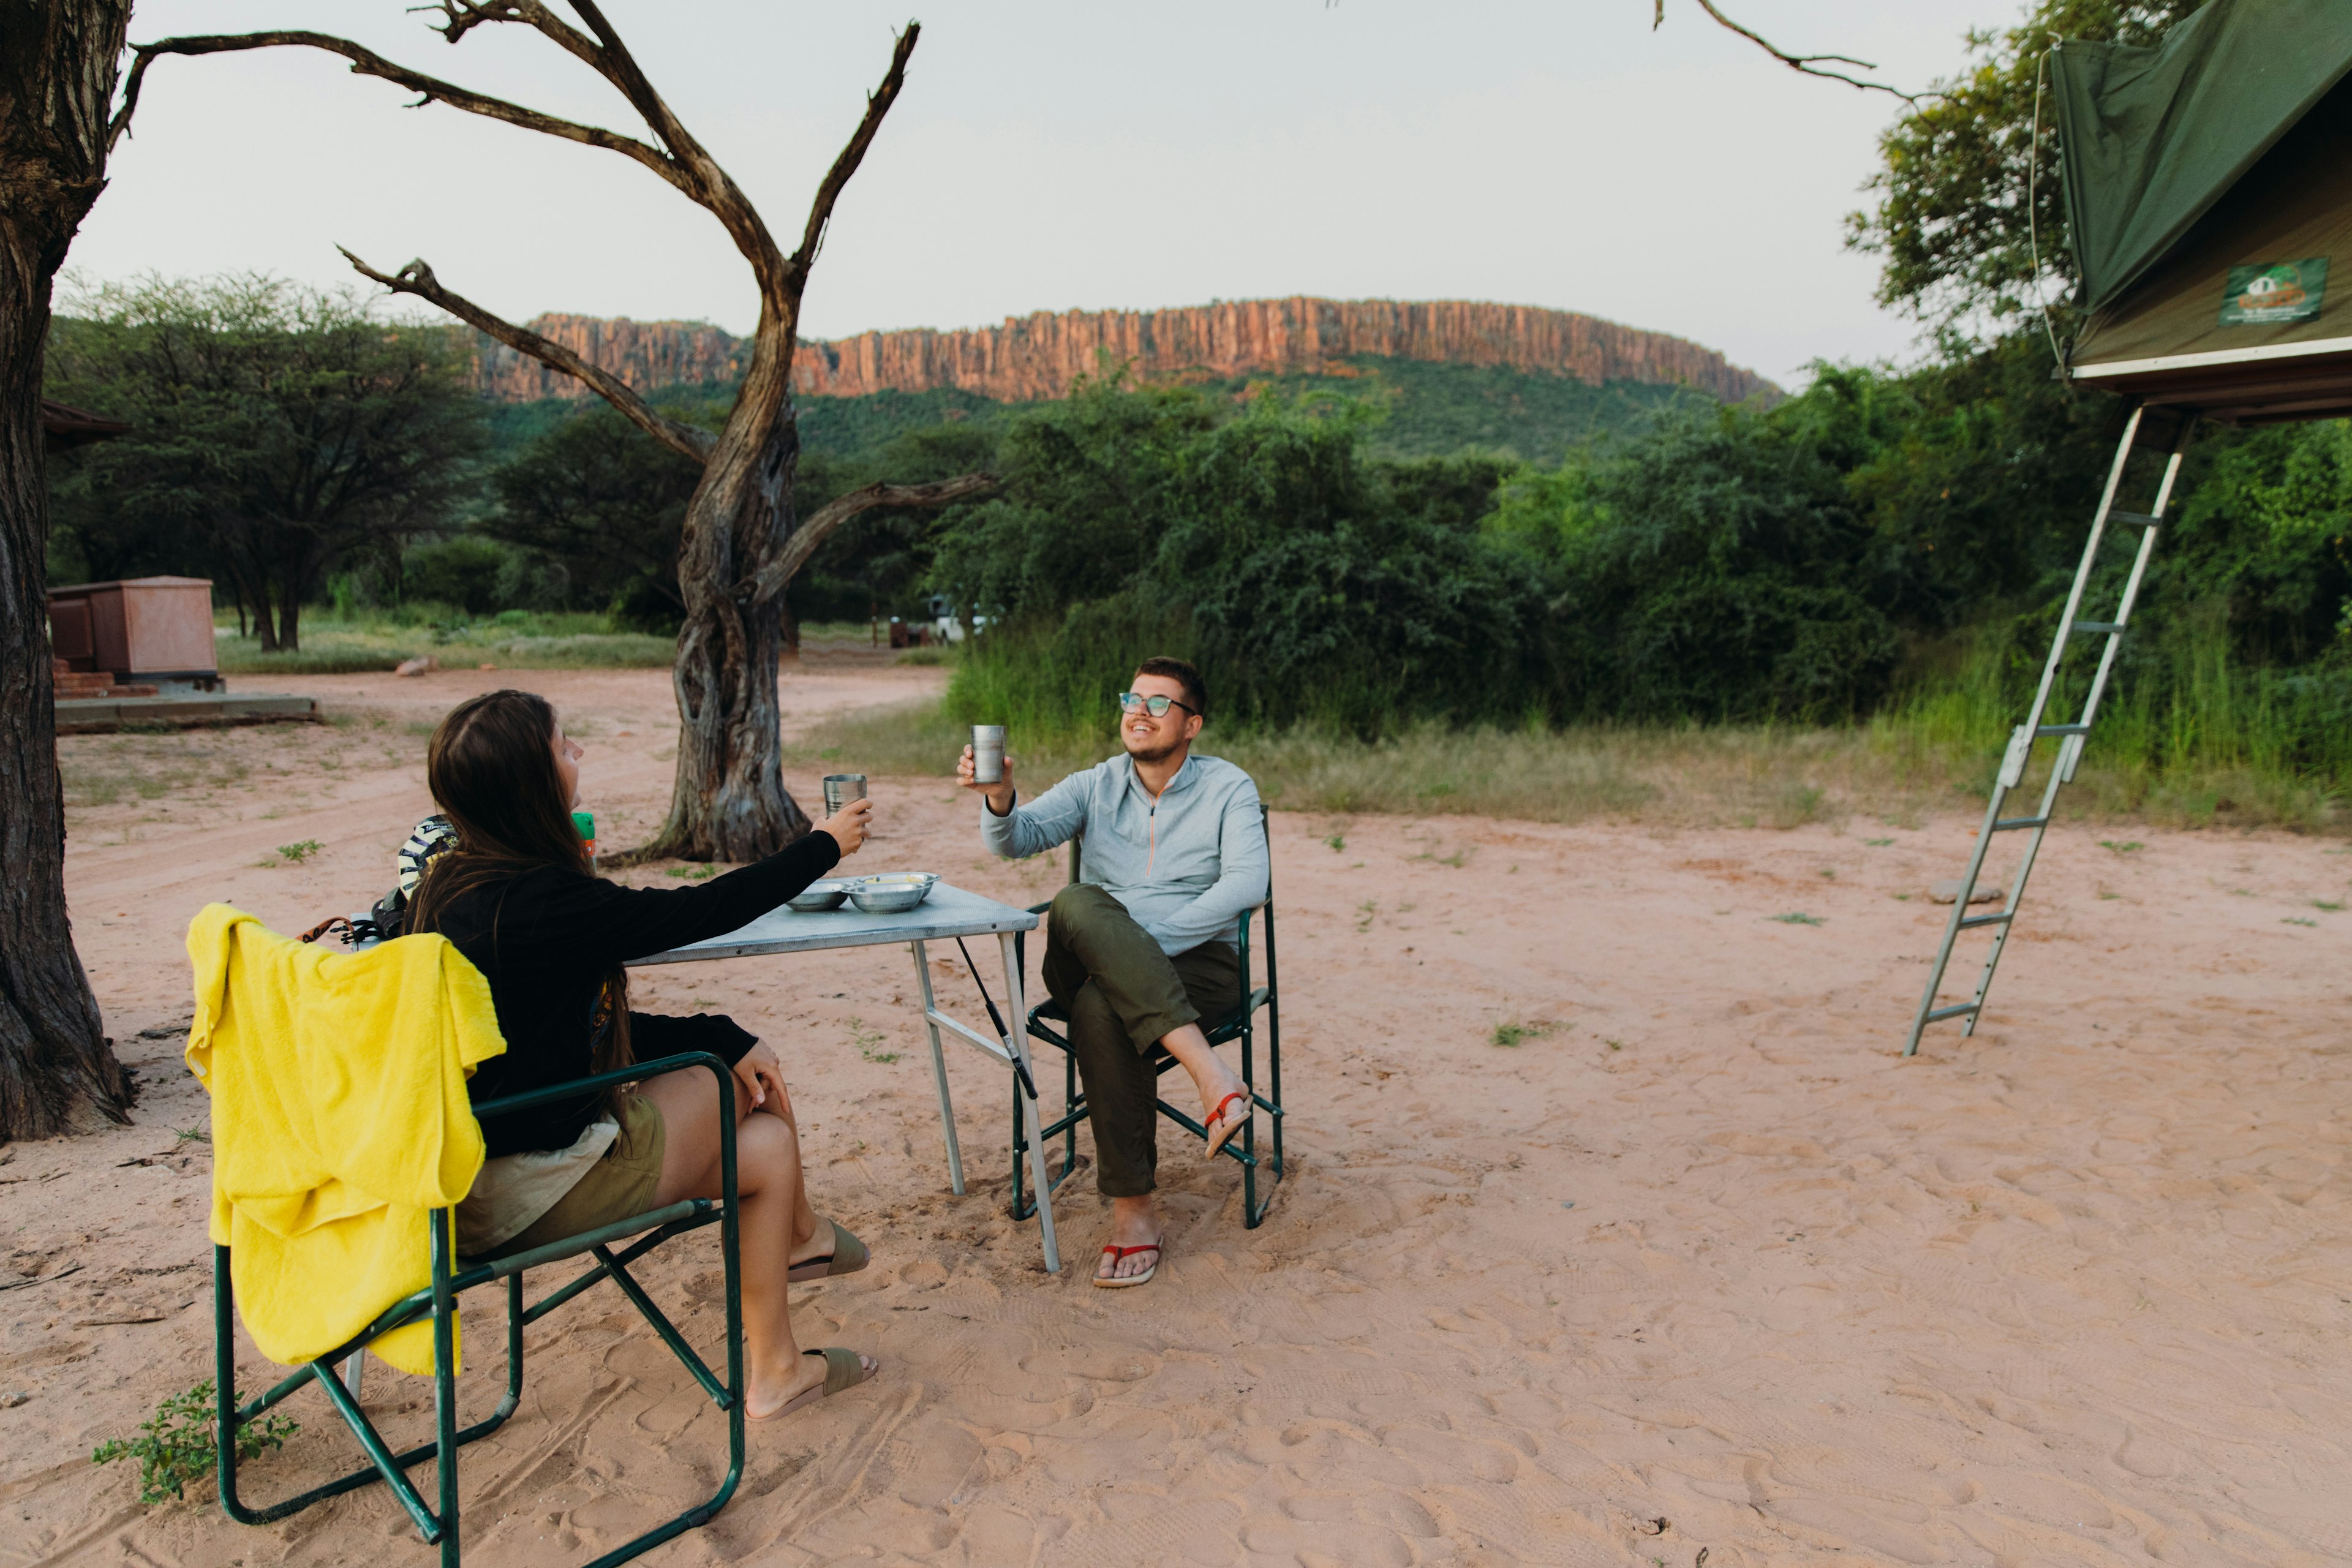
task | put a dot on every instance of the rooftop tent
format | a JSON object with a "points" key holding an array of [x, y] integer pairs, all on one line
{"points": [[2208, 189]]}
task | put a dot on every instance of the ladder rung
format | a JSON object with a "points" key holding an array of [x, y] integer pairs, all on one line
{"points": [[2134, 518], [2042, 730], [1940, 1014], [2011, 824], [1986, 919], [2098, 627]]}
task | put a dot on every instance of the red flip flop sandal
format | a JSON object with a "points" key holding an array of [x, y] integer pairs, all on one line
{"points": [[1119, 1255], [1218, 1140]]}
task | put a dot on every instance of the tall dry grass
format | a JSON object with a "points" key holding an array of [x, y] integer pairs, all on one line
{"points": [[1895, 768]]}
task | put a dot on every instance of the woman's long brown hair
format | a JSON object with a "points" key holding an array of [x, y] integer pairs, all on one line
{"points": [[492, 767]]}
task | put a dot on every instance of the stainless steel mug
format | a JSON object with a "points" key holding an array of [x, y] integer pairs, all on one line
{"points": [[987, 754], [840, 788]]}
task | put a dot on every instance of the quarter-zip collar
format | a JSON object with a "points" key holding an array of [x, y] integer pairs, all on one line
{"points": [[1184, 773]]}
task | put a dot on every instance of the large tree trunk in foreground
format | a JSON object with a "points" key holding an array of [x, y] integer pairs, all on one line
{"points": [[57, 83]]}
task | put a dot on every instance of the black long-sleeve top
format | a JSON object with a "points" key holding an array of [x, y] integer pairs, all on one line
{"points": [[546, 938]]}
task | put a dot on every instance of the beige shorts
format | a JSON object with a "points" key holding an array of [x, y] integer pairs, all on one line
{"points": [[620, 1184]]}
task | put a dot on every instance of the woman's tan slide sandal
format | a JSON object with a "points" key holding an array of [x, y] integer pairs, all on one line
{"points": [[843, 1369], [847, 1257]]}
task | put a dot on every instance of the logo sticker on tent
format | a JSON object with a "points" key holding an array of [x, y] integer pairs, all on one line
{"points": [[2270, 292]]}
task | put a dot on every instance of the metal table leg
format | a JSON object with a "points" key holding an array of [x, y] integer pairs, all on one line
{"points": [[939, 1071], [1031, 1121]]}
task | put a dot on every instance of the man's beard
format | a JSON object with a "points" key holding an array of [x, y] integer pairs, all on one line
{"points": [[1155, 755]]}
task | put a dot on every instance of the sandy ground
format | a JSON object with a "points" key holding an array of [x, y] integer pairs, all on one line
{"points": [[1696, 1266]]}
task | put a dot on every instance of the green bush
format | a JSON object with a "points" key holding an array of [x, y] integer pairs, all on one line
{"points": [[465, 571]]}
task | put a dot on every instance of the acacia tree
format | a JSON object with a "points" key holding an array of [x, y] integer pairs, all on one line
{"points": [[274, 429], [57, 60], [742, 542]]}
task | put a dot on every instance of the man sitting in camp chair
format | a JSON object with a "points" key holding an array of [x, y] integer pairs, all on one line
{"points": [[1140, 948]]}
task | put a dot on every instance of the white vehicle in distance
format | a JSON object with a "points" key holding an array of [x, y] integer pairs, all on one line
{"points": [[946, 625]]}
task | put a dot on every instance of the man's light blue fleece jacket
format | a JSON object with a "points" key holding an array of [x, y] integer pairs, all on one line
{"points": [[1184, 865]]}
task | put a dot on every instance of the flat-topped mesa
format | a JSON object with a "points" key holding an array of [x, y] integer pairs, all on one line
{"points": [[644, 355], [1030, 358]]}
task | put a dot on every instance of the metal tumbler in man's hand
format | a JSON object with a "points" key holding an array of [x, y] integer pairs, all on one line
{"points": [[841, 788], [987, 754]]}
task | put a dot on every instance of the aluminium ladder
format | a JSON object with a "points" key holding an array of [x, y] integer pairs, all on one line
{"points": [[2069, 736]]}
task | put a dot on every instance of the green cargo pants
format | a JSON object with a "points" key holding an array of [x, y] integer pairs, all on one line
{"points": [[1123, 993]]}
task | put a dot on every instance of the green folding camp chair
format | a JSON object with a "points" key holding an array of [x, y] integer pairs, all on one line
{"points": [[451, 1276], [1238, 1025]]}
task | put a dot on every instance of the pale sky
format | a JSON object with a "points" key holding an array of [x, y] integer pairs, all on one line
{"points": [[1050, 155]]}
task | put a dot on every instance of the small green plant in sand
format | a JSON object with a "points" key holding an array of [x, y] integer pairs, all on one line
{"points": [[1366, 913], [1338, 842], [1512, 1033], [1878, 843], [691, 873], [192, 1134], [297, 852], [1797, 917], [2126, 847], [2330, 905], [2298, 921], [177, 1446], [866, 1040]]}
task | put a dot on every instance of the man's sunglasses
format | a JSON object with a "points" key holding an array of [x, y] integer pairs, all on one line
{"points": [[1131, 702]]}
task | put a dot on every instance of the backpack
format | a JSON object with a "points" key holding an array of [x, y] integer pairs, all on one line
{"points": [[434, 836]]}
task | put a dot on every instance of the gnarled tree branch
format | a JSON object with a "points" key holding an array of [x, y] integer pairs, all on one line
{"points": [[418, 279], [877, 104], [459, 17], [772, 578], [367, 62], [1810, 65]]}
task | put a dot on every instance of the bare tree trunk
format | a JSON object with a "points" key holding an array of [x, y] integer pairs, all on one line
{"points": [[728, 801], [57, 83], [289, 609]]}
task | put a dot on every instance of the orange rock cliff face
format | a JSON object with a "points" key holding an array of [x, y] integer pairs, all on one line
{"points": [[1033, 357]]}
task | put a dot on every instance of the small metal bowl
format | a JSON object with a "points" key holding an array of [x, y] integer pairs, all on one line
{"points": [[826, 893], [892, 893]]}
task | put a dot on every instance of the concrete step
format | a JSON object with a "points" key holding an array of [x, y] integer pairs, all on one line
{"points": [[92, 716]]}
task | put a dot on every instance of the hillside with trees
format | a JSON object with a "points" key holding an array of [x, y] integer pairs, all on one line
{"points": [[1383, 541]]}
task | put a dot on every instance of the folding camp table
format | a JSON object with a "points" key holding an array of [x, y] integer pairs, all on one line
{"points": [[949, 913]]}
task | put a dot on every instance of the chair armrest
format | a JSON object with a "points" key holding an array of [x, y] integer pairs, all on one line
{"points": [[637, 1072]]}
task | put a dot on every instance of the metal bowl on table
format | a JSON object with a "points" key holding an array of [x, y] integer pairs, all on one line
{"points": [[891, 893], [825, 893]]}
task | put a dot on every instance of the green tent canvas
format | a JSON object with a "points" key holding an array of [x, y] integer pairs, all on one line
{"points": [[2209, 191]]}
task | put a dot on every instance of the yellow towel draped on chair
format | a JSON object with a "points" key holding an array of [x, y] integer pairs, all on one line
{"points": [[340, 1118]]}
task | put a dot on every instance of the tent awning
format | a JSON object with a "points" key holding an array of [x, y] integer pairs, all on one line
{"points": [[2209, 186]]}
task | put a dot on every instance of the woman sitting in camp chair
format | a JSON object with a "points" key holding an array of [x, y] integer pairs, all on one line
{"points": [[516, 896]]}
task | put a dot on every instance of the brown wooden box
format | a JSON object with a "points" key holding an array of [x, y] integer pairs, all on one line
{"points": [[144, 628]]}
